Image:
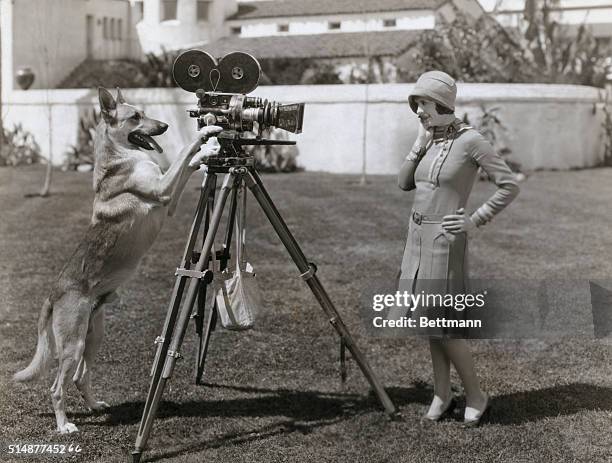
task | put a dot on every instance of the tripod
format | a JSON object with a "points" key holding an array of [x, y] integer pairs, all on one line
{"points": [[240, 171]]}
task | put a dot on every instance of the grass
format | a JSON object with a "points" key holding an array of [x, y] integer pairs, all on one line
{"points": [[273, 394]]}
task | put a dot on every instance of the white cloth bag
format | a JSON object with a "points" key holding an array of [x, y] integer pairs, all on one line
{"points": [[237, 294]]}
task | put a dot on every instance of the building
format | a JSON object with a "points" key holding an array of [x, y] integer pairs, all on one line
{"points": [[184, 23], [348, 34], [174, 23], [52, 37], [290, 17]]}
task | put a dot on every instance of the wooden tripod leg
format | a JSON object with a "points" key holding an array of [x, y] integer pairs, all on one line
{"points": [[204, 338], [163, 341], [343, 371], [204, 342], [308, 274], [199, 315], [181, 314], [204, 335]]}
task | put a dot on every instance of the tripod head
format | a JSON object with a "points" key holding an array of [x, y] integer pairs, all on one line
{"points": [[232, 153]]}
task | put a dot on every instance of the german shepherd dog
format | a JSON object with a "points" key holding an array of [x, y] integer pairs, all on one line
{"points": [[135, 186]]}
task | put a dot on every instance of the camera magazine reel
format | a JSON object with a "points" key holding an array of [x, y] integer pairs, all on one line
{"points": [[236, 72]]}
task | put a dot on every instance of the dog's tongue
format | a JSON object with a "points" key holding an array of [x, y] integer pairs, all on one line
{"points": [[155, 145]]}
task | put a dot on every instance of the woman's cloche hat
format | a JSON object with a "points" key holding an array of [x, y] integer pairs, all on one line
{"points": [[436, 85]]}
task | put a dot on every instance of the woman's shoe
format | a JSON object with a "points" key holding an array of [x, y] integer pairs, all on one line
{"points": [[473, 417], [444, 411]]}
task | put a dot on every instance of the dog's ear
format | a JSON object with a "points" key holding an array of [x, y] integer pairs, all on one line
{"points": [[120, 98], [108, 105]]}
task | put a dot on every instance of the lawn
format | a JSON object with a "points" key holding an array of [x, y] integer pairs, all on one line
{"points": [[273, 394]]}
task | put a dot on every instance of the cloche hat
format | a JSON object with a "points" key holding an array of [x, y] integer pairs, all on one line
{"points": [[436, 85]]}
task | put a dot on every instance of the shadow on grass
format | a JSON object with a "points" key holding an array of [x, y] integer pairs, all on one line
{"points": [[312, 410], [305, 411], [298, 404], [506, 409], [568, 399], [260, 433], [301, 411]]}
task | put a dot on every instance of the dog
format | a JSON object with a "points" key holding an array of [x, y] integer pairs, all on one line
{"points": [[134, 192]]}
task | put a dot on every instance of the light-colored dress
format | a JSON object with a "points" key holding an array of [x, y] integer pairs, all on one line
{"points": [[436, 260]]}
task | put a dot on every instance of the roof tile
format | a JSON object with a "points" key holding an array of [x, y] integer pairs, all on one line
{"points": [[335, 45], [283, 8]]}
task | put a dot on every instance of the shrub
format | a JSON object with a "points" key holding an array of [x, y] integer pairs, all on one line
{"points": [[483, 51], [83, 153], [18, 147], [157, 69]]}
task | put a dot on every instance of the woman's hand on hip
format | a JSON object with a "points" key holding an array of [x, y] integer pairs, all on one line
{"points": [[458, 223]]}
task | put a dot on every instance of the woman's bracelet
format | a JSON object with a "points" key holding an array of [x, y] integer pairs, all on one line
{"points": [[412, 156], [416, 155]]}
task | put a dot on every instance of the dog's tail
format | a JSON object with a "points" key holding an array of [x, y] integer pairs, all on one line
{"points": [[44, 347]]}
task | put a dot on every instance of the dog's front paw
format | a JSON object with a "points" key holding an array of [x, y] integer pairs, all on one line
{"points": [[67, 428], [98, 405], [202, 153]]}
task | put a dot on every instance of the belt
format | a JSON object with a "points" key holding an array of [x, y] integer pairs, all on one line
{"points": [[426, 218]]}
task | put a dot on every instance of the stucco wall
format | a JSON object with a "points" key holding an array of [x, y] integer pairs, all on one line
{"points": [[546, 126]]}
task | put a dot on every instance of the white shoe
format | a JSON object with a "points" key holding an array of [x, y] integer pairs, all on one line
{"points": [[440, 409], [473, 416]]}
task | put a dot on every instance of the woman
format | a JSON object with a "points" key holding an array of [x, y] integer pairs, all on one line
{"points": [[442, 166]]}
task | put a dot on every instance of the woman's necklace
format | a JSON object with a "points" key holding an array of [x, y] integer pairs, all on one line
{"points": [[444, 132]]}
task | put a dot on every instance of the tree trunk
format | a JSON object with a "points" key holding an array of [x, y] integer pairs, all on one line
{"points": [[49, 171]]}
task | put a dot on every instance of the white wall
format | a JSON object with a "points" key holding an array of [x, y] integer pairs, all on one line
{"points": [[548, 126], [406, 20]]}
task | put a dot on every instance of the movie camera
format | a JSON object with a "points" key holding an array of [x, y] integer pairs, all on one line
{"points": [[221, 89]]}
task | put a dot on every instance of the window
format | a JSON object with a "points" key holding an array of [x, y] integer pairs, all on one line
{"points": [[105, 28], [139, 10], [119, 29], [202, 10], [168, 10], [237, 30], [283, 28], [389, 23], [112, 29], [333, 26]]}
